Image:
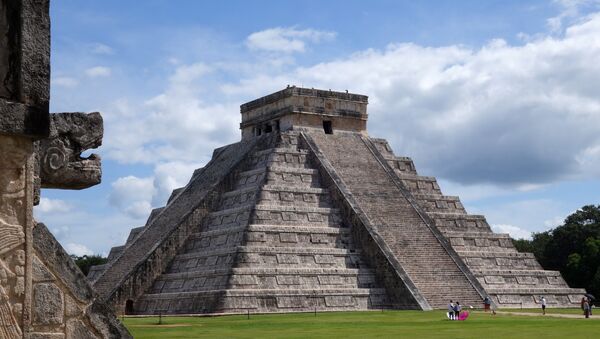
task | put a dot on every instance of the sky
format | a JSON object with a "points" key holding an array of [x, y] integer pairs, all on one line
{"points": [[497, 99]]}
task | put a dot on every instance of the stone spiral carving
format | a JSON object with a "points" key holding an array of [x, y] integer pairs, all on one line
{"points": [[54, 159]]}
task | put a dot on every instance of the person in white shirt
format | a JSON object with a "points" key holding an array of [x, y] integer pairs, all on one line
{"points": [[451, 310], [543, 301], [457, 309]]}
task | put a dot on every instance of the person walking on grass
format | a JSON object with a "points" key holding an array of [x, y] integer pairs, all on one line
{"points": [[586, 308], [543, 302], [486, 304], [457, 309], [451, 310]]}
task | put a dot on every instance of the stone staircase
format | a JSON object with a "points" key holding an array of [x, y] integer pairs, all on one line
{"points": [[511, 278], [424, 258], [271, 232], [274, 244]]}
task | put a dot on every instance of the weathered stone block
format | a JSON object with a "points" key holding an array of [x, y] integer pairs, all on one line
{"points": [[76, 329], [37, 335], [339, 301], [48, 304]]}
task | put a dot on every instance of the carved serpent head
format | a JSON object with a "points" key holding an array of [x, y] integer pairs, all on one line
{"points": [[60, 162]]}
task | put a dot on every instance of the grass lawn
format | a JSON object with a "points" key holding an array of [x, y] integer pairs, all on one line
{"points": [[576, 311], [397, 324]]}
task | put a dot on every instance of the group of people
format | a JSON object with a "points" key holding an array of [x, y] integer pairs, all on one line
{"points": [[586, 306], [454, 310]]}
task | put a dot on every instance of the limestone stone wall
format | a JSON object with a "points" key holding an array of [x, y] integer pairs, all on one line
{"points": [[43, 295], [296, 106], [510, 278], [16, 225]]}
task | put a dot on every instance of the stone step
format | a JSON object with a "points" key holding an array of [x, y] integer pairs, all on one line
{"points": [[297, 229], [252, 278], [294, 189], [274, 235], [281, 150], [269, 250], [536, 291], [437, 203], [134, 233], [480, 241], [270, 271], [272, 229], [476, 234], [561, 297], [446, 222], [420, 184], [280, 175], [250, 178], [296, 215], [520, 278], [239, 197], [153, 214], [486, 254], [291, 157], [175, 193], [271, 293], [227, 218], [95, 271], [401, 164], [300, 195], [263, 300], [115, 252], [499, 260], [515, 273]]}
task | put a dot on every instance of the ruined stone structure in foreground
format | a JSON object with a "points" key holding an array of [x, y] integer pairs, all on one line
{"points": [[309, 212], [43, 294]]}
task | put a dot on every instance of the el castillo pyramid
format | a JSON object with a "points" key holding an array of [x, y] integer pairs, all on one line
{"points": [[307, 212]]}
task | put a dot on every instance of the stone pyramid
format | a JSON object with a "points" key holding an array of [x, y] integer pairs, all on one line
{"points": [[307, 212]]}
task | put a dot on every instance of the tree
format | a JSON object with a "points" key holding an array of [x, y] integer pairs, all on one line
{"points": [[86, 261], [572, 248]]}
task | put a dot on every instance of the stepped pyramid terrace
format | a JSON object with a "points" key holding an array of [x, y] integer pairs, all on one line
{"points": [[309, 212]]}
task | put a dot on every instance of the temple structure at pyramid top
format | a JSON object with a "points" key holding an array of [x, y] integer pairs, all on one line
{"points": [[308, 212], [296, 107]]}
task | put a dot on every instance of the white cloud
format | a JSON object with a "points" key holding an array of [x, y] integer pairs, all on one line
{"points": [[532, 109], [48, 206], [98, 72], [529, 215], [514, 231], [501, 114], [169, 176], [77, 249], [137, 196], [67, 82], [554, 222], [132, 195], [570, 10], [99, 48], [177, 125], [286, 39]]}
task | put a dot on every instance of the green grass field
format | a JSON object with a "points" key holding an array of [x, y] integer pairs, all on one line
{"points": [[575, 311], [389, 324]]}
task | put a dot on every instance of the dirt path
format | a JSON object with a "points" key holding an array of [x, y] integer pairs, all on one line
{"points": [[554, 315]]}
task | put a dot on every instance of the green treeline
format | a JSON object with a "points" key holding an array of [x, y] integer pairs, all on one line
{"points": [[86, 261], [572, 248]]}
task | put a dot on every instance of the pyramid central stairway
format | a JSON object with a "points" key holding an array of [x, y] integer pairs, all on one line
{"points": [[309, 213]]}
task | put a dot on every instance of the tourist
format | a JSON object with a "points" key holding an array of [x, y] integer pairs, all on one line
{"points": [[457, 309], [451, 310], [486, 304], [543, 301], [586, 308]]}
